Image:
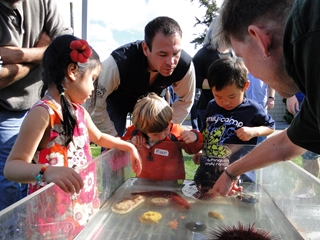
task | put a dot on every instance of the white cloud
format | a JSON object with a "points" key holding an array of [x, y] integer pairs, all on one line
{"points": [[114, 23]]}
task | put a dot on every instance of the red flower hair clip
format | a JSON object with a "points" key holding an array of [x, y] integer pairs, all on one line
{"points": [[81, 51]]}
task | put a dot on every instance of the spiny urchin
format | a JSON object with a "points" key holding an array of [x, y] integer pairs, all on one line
{"points": [[240, 232]]}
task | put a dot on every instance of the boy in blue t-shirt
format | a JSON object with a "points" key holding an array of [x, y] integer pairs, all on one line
{"points": [[230, 118]]}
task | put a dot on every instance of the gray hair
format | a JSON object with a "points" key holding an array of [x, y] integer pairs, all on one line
{"points": [[212, 41]]}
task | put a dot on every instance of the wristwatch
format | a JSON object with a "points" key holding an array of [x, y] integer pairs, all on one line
{"points": [[1, 62], [271, 97]]}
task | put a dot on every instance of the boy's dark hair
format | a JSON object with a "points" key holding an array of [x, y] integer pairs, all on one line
{"points": [[166, 25], [227, 71], [55, 63]]}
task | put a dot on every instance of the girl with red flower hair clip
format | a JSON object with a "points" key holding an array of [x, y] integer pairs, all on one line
{"points": [[59, 130]]}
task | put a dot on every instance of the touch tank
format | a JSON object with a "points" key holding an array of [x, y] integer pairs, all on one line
{"points": [[278, 204]]}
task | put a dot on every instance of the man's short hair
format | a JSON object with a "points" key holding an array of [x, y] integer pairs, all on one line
{"points": [[166, 25]]}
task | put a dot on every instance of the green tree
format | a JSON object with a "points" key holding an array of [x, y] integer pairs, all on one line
{"points": [[211, 13]]}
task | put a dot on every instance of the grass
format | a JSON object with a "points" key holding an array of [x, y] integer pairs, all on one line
{"points": [[95, 150], [190, 168], [298, 161]]}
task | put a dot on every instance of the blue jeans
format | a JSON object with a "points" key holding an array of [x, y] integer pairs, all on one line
{"points": [[247, 176], [308, 155], [197, 118], [10, 122], [261, 139]]}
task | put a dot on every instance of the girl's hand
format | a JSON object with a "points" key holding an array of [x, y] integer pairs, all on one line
{"points": [[140, 141], [188, 136], [135, 160], [66, 178]]}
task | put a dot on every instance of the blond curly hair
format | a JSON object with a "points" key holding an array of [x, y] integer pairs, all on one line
{"points": [[151, 114]]}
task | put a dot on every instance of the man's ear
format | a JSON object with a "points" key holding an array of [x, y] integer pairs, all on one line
{"points": [[262, 39], [145, 48], [72, 71]]}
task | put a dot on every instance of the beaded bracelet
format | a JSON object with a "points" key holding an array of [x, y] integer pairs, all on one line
{"points": [[230, 175], [39, 178]]}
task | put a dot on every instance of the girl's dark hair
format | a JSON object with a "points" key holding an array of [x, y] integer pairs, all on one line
{"points": [[55, 62]]}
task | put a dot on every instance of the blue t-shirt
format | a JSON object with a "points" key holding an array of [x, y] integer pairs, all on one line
{"points": [[220, 124], [257, 90]]}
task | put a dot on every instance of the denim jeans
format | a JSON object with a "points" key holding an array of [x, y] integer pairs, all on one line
{"points": [[10, 122], [261, 139], [197, 118]]}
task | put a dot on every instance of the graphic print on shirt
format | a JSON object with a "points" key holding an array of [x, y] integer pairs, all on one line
{"points": [[213, 123], [214, 159], [218, 130], [212, 146]]}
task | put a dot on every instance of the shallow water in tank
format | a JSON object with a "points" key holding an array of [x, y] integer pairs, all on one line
{"points": [[264, 214]]}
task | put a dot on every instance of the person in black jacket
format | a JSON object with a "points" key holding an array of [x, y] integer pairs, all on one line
{"points": [[212, 50], [140, 67]]}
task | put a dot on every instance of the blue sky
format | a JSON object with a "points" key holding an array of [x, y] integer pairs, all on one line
{"points": [[114, 23]]}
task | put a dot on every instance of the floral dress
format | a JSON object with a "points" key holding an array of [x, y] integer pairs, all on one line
{"points": [[62, 214]]}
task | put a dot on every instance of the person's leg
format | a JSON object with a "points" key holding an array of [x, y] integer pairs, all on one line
{"points": [[261, 139], [194, 112], [310, 162], [194, 118], [247, 176], [119, 118], [10, 123], [201, 120]]}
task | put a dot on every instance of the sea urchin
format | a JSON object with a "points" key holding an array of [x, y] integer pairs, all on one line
{"points": [[240, 232]]}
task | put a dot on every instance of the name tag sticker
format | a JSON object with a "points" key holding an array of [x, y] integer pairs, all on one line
{"points": [[161, 152]]}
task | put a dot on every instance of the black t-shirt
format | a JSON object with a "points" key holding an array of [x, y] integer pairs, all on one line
{"points": [[202, 60], [301, 54]]}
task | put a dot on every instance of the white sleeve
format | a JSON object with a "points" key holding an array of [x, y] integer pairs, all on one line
{"points": [[185, 90], [109, 80]]}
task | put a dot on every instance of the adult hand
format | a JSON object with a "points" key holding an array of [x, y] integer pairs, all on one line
{"points": [[270, 103], [66, 178], [44, 40], [25, 56], [292, 104], [225, 186]]}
